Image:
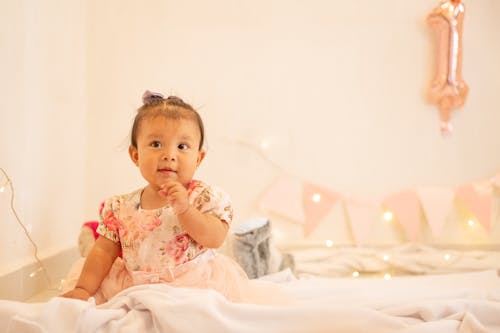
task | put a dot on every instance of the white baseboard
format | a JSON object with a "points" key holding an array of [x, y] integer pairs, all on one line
{"points": [[19, 286]]}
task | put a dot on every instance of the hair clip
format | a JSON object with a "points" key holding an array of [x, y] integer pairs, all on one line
{"points": [[149, 97]]}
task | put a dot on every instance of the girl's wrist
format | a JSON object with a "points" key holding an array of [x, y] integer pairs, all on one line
{"points": [[81, 288], [184, 211]]}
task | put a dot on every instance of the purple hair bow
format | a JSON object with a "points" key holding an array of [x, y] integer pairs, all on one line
{"points": [[149, 97]]}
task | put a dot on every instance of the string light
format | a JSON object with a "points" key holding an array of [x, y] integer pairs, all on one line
{"points": [[316, 197], [385, 257], [41, 267], [355, 274], [470, 223], [387, 276], [447, 256], [329, 243]]}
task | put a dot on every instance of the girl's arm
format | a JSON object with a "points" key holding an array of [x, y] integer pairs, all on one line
{"points": [[97, 266], [205, 229]]}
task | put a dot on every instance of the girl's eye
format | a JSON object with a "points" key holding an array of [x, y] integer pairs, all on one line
{"points": [[183, 146], [155, 144]]}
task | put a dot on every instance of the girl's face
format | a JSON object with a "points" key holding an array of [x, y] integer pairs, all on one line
{"points": [[167, 149]]}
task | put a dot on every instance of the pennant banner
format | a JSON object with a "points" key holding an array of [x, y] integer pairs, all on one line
{"points": [[310, 205]]}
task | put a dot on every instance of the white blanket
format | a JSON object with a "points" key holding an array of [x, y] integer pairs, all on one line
{"points": [[468, 302]]}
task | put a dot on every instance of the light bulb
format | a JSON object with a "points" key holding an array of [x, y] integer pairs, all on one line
{"points": [[355, 274], [470, 223], [387, 276], [316, 197], [329, 243], [4, 186], [388, 216], [62, 282], [35, 272], [447, 256], [386, 257]]}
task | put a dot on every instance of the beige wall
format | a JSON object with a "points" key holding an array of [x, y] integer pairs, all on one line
{"points": [[336, 87]]}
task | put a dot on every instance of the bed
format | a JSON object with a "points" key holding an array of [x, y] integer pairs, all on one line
{"points": [[454, 302]]}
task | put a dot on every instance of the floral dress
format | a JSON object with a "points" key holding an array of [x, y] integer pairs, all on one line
{"points": [[155, 247]]}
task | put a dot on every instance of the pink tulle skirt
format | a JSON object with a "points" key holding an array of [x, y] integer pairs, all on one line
{"points": [[208, 271]]}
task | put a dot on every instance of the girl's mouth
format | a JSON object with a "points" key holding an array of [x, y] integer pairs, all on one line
{"points": [[167, 172]]}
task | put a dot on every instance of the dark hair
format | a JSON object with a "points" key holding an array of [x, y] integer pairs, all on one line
{"points": [[171, 107]]}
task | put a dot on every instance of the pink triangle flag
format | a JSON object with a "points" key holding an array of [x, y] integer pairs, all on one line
{"points": [[317, 202], [437, 203], [406, 207], [362, 214], [478, 200], [284, 198]]}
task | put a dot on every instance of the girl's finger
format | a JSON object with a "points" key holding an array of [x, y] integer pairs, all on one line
{"points": [[171, 185]]}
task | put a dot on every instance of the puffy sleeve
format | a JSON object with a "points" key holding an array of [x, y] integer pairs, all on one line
{"points": [[109, 222], [211, 200]]}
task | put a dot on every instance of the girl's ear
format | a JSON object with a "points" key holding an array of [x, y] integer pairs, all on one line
{"points": [[201, 156], [134, 155]]}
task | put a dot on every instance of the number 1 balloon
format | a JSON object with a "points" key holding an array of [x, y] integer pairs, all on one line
{"points": [[448, 89]]}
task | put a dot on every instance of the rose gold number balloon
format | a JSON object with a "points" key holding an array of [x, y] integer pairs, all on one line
{"points": [[448, 90]]}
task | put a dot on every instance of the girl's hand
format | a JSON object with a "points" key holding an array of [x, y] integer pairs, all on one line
{"points": [[177, 196], [78, 293]]}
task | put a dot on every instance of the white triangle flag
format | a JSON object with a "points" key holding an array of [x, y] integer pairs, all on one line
{"points": [[362, 214], [437, 203]]}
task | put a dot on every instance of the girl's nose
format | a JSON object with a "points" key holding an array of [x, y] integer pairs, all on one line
{"points": [[168, 156]]}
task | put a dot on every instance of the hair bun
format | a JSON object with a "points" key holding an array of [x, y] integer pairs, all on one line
{"points": [[175, 99]]}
